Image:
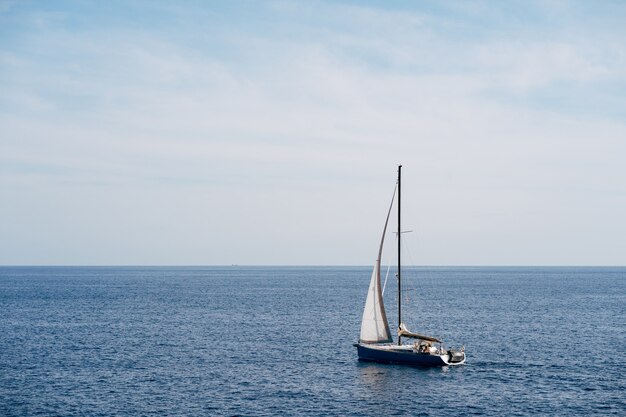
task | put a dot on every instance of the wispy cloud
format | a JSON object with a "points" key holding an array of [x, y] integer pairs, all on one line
{"points": [[482, 99]]}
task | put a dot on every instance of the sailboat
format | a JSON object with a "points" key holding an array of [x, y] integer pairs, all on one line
{"points": [[375, 341]]}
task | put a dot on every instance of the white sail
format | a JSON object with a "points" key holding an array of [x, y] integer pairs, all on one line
{"points": [[374, 325]]}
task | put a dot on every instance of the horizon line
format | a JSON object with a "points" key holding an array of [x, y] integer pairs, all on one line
{"points": [[291, 266]]}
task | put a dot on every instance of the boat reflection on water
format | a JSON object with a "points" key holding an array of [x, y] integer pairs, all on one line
{"points": [[382, 380]]}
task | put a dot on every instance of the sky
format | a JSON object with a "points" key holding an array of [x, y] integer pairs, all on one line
{"points": [[269, 132]]}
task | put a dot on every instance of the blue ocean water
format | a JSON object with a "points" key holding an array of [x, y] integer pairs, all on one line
{"points": [[256, 341]]}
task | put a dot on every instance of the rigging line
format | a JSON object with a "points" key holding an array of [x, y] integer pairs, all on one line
{"points": [[422, 283], [386, 276], [429, 286], [393, 196], [408, 255], [389, 255], [430, 299], [406, 286], [436, 289]]}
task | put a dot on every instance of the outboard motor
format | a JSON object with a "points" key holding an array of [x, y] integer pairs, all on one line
{"points": [[456, 356]]}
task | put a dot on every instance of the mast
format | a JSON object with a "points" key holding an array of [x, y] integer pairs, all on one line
{"points": [[399, 271]]}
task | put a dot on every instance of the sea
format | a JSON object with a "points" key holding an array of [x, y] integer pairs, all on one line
{"points": [[278, 341]]}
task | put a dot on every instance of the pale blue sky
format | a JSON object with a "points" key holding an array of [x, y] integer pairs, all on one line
{"points": [[147, 132]]}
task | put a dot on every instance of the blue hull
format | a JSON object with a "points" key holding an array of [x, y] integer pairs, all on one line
{"points": [[407, 357]]}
